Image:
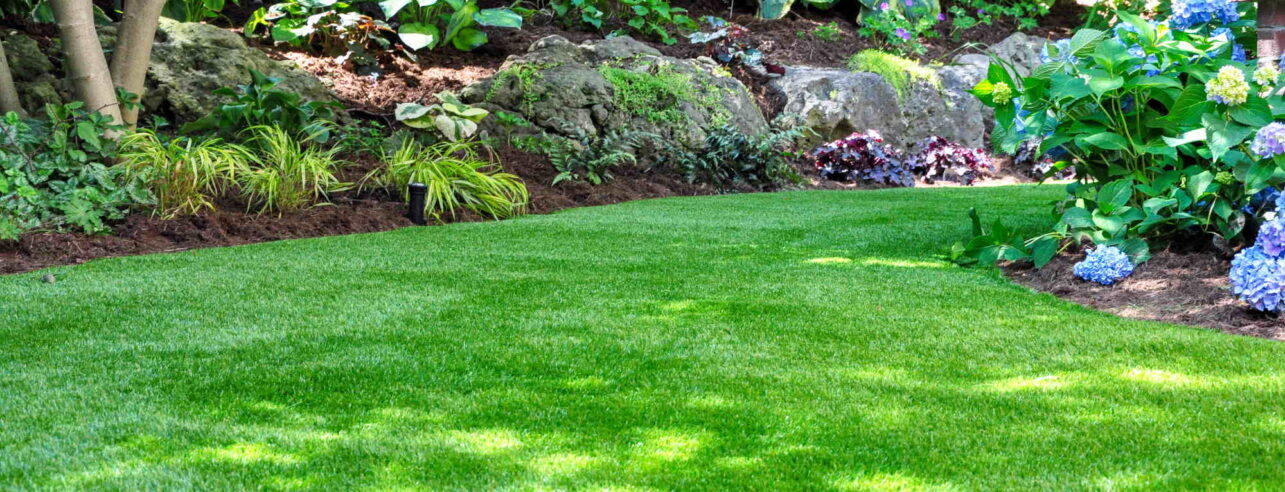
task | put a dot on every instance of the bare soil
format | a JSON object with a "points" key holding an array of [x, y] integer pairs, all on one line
{"points": [[1183, 288]]}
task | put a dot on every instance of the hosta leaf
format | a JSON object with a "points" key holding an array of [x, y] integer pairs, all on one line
{"points": [[418, 36], [469, 39], [498, 18]]}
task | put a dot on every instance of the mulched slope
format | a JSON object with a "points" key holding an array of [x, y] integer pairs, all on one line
{"points": [[403, 80], [1182, 288]]}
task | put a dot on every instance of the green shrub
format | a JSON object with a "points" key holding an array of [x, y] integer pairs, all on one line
{"points": [[57, 173], [261, 103], [184, 174], [457, 177], [590, 159], [651, 18], [732, 158], [1157, 121], [286, 174]]}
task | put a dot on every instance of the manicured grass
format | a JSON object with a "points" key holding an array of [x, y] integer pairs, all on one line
{"points": [[808, 340]]}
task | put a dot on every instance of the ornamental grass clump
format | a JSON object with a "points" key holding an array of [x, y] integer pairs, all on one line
{"points": [[1105, 265], [940, 159], [863, 157]]}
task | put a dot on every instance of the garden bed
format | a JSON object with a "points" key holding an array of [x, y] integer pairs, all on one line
{"points": [[783, 41], [1181, 288], [348, 213]]}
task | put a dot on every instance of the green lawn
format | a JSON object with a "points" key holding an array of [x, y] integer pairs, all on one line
{"points": [[805, 340]]}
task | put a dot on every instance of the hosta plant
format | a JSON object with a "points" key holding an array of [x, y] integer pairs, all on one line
{"points": [[1157, 119], [427, 24], [261, 103], [455, 120]]}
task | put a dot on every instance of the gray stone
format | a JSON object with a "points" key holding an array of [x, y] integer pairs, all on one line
{"points": [[1019, 49], [836, 102], [191, 60], [561, 88]]}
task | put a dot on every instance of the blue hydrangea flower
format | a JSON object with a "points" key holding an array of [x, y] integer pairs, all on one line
{"points": [[1271, 237], [1238, 53], [1105, 265], [1062, 48], [1190, 13], [1261, 200], [1270, 141], [1257, 278]]}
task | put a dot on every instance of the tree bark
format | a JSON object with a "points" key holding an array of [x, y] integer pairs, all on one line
{"points": [[8, 92], [134, 50], [86, 63]]}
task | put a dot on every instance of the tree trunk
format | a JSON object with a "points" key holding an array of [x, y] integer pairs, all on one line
{"points": [[134, 50], [86, 63], [8, 92]]}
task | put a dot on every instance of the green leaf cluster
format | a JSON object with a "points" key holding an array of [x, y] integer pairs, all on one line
{"points": [[1156, 159], [56, 173]]}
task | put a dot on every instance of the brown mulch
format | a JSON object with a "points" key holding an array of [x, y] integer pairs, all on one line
{"points": [[446, 69], [349, 213], [1181, 288]]}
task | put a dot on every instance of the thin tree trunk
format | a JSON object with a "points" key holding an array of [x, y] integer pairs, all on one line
{"points": [[134, 50], [86, 62], [8, 92]]}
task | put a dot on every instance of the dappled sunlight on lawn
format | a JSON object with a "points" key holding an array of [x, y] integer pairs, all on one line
{"points": [[743, 342]]}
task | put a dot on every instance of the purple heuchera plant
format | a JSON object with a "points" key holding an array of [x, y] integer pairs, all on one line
{"points": [[1105, 265], [863, 157], [941, 159], [1258, 278]]}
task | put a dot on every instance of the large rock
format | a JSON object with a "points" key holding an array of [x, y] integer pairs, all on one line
{"points": [[191, 60], [1021, 50], [834, 102], [32, 71], [616, 84]]}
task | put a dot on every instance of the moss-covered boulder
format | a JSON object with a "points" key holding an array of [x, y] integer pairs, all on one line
{"points": [[616, 84], [190, 60], [32, 71]]}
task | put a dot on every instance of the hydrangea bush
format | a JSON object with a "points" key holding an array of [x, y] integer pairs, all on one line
{"points": [[1258, 272], [1105, 265], [938, 159], [1169, 131], [863, 157]]}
